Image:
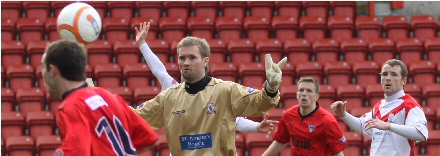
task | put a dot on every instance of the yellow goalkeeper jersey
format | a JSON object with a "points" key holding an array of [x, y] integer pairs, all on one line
{"points": [[203, 124]]}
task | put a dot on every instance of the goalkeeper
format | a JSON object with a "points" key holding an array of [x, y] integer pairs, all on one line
{"points": [[199, 114]]}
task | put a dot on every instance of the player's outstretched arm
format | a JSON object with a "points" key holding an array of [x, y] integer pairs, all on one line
{"points": [[354, 123], [274, 148], [156, 66], [273, 73], [246, 125]]}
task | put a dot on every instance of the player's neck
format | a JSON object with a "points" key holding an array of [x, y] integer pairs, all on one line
{"points": [[305, 110], [67, 85]]}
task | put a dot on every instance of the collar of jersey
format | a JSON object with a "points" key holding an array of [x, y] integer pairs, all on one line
{"points": [[194, 88], [310, 114], [67, 93], [395, 96]]}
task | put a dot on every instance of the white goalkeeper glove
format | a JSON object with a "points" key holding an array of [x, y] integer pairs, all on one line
{"points": [[89, 82], [273, 73]]}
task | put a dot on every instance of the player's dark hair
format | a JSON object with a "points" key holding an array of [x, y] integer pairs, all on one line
{"points": [[69, 57], [205, 50], [403, 69], [310, 80]]}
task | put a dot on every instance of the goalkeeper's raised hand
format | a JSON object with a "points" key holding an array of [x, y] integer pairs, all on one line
{"points": [[273, 73]]}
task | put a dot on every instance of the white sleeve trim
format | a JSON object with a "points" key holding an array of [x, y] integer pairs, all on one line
{"points": [[156, 66], [409, 132], [246, 125]]}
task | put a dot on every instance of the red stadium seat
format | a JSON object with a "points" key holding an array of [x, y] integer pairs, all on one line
{"points": [[354, 50], [288, 74], [38, 10], [218, 50], [252, 74], [374, 93], [239, 144], [172, 28], [337, 73], [20, 146], [431, 93], [12, 124], [257, 143], [235, 9], [11, 9], [355, 143], [382, 49], [137, 75], [108, 75], [173, 51], [40, 124], [153, 31], [410, 49], [285, 27], [288, 95], [313, 69], [326, 50], [353, 94], [99, 52], [276, 113], [142, 94], [202, 27], [289, 8], [35, 50], [20, 76], [8, 29], [257, 27], [327, 95], [30, 100], [359, 111], [57, 6], [51, 29], [228, 28], [241, 51], [177, 9], [160, 48], [46, 145], [273, 47], [432, 49], [3, 76], [149, 9], [313, 27], [100, 7], [297, 50], [226, 71], [30, 29], [205, 9], [316, 8], [415, 91], [433, 146], [173, 70], [126, 52], [423, 72], [13, 53], [368, 27], [125, 92], [162, 146], [396, 27], [430, 116], [115, 29], [366, 72], [121, 9], [340, 27], [8, 100], [261, 8], [344, 8], [424, 26]]}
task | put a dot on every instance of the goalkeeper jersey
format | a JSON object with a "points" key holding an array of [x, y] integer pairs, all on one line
{"points": [[204, 123]]}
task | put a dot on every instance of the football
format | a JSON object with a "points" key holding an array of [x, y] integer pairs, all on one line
{"points": [[79, 22]]}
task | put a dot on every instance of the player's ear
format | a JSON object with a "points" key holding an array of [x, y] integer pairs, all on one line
{"points": [[316, 97], [404, 80], [53, 70]]}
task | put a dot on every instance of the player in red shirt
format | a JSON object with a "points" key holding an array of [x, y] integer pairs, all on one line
{"points": [[92, 121], [309, 128]]}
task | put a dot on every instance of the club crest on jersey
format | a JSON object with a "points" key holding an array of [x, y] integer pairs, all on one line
{"points": [[342, 140], [311, 128], [391, 118], [250, 90], [211, 108]]}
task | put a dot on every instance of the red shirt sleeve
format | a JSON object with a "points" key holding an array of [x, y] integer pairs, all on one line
{"points": [[335, 138], [282, 134], [76, 139]]}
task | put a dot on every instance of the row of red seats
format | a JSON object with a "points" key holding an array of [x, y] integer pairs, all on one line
{"points": [[183, 9], [242, 51], [39, 123], [252, 27], [26, 146], [250, 74]]}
